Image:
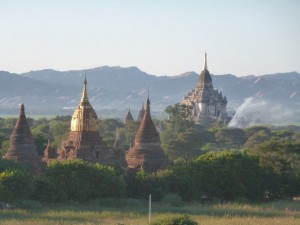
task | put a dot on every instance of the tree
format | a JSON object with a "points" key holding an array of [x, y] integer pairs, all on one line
{"points": [[41, 134], [232, 136], [280, 161], [80, 181], [179, 118], [257, 138], [15, 185], [187, 144], [108, 128], [59, 131], [128, 132]]}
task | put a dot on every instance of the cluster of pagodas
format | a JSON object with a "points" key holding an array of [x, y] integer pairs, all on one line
{"points": [[85, 142]]}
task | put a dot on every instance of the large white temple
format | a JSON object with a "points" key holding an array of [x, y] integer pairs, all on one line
{"points": [[208, 104]]}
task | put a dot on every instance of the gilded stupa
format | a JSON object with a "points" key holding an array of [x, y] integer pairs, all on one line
{"points": [[146, 153], [84, 141], [21, 145]]}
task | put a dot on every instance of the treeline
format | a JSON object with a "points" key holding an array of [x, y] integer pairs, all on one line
{"points": [[209, 161], [223, 176], [62, 181]]}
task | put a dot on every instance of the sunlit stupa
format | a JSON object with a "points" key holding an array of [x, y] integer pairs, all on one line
{"points": [[84, 141]]}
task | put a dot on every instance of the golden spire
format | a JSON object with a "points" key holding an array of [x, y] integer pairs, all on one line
{"points": [[205, 62], [84, 117], [84, 98]]}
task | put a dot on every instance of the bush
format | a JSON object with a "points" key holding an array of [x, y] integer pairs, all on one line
{"points": [[172, 200], [44, 189], [15, 185], [8, 164], [178, 220], [78, 180]]}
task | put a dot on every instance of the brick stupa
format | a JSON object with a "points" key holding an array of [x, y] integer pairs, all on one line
{"points": [[119, 152], [49, 153], [141, 114], [146, 153], [21, 145], [128, 117]]}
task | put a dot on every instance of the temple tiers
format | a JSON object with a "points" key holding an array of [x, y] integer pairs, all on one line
{"points": [[208, 104], [21, 145], [146, 153]]}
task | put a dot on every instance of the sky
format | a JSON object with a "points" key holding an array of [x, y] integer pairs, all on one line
{"points": [[160, 37]]}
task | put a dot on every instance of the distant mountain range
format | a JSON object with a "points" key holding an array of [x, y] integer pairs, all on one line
{"points": [[112, 90]]}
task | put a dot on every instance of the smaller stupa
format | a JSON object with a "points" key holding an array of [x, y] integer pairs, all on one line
{"points": [[49, 153], [128, 117], [21, 145], [119, 152], [141, 114]]}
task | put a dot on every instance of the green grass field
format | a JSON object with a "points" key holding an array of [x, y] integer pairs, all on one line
{"points": [[135, 212]]}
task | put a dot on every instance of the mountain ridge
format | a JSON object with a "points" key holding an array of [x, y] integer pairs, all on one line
{"points": [[117, 88]]}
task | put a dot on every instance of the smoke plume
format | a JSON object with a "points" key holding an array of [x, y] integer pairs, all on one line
{"points": [[255, 111]]}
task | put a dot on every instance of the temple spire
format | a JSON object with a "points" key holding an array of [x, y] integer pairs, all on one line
{"points": [[148, 103], [84, 98], [22, 110], [205, 62]]}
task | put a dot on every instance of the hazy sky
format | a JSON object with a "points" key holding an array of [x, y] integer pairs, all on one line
{"points": [[161, 37]]}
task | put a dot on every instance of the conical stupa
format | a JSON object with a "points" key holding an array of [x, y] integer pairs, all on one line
{"points": [[146, 153], [128, 117], [141, 114], [21, 145]]}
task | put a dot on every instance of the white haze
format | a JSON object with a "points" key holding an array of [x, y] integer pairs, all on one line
{"points": [[256, 111]]}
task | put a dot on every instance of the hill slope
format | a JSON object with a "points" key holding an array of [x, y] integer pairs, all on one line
{"points": [[116, 89]]}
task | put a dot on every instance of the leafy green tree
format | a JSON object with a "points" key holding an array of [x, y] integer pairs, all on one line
{"points": [[4, 147], [224, 175], [232, 136], [80, 181], [108, 129], [179, 118], [7, 165], [59, 131], [128, 132], [187, 144], [257, 138], [180, 138], [10, 123], [254, 129], [147, 183], [41, 134], [15, 185], [280, 161]]}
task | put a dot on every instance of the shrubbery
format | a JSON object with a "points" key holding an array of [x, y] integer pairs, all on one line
{"points": [[63, 181], [15, 185], [175, 220], [78, 180]]}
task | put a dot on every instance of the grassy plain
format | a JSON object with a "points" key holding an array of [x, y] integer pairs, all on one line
{"points": [[135, 212]]}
